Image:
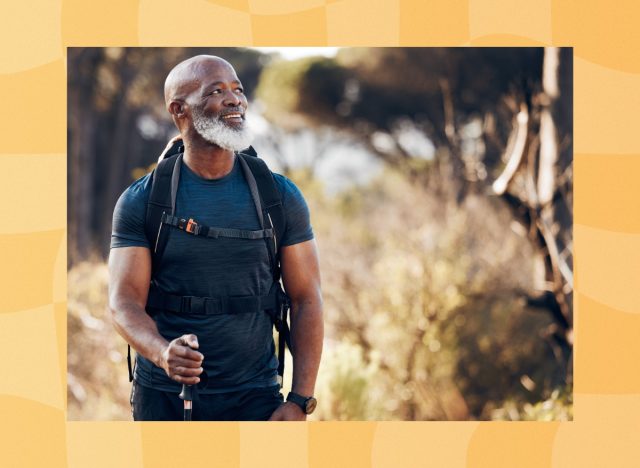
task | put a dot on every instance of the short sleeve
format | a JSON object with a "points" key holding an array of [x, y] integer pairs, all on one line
{"points": [[129, 216], [298, 224]]}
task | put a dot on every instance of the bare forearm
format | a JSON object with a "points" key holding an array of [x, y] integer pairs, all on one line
{"points": [[307, 331], [139, 330]]}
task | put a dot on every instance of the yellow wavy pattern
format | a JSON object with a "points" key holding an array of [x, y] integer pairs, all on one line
{"points": [[31, 22], [438, 22], [302, 28], [528, 19], [600, 33], [505, 445], [203, 23], [606, 433], [363, 23], [34, 103], [33, 248]]}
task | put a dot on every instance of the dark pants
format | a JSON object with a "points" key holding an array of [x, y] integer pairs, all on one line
{"points": [[253, 404]]}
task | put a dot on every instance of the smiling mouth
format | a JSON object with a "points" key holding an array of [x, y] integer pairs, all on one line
{"points": [[233, 117]]}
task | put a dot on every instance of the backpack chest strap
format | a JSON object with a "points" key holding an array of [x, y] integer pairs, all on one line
{"points": [[159, 301], [198, 229]]}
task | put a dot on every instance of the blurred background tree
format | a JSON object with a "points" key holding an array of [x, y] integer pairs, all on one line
{"points": [[440, 187]]}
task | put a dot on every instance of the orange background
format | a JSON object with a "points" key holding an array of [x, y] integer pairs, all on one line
{"points": [[606, 41]]}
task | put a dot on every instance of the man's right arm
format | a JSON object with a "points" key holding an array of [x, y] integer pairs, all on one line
{"points": [[129, 279]]}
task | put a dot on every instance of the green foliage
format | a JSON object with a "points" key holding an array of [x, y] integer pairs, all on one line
{"points": [[501, 346], [558, 407], [408, 82], [346, 389], [289, 89], [278, 87], [428, 291]]}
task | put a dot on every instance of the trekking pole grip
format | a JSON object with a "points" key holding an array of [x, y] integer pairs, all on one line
{"points": [[187, 396], [187, 392]]}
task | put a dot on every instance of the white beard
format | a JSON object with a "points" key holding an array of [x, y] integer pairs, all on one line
{"points": [[217, 132]]}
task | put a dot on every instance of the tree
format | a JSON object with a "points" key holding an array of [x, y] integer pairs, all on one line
{"points": [[499, 121], [472, 127]]}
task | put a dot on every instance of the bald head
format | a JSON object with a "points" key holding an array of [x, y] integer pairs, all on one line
{"points": [[189, 75], [207, 103]]}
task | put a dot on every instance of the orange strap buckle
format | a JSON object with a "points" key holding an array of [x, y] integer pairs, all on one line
{"points": [[191, 226]]}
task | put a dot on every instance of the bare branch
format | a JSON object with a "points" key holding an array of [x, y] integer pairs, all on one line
{"points": [[515, 150]]}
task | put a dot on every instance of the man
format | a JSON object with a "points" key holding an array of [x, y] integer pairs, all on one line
{"points": [[235, 351]]}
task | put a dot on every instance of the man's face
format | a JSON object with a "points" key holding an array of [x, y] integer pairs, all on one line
{"points": [[218, 107]]}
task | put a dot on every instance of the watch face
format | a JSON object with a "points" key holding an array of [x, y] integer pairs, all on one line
{"points": [[310, 405]]}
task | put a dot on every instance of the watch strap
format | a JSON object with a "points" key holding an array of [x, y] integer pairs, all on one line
{"points": [[299, 400]]}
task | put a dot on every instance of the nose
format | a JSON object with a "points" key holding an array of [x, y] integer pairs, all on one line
{"points": [[231, 99]]}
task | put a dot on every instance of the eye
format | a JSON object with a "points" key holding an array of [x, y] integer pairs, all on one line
{"points": [[239, 90]]}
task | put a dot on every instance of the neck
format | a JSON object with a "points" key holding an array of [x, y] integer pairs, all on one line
{"points": [[207, 160]]}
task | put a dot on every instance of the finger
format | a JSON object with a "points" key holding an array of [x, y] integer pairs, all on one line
{"points": [[188, 353], [188, 371], [186, 380], [191, 341], [176, 362]]}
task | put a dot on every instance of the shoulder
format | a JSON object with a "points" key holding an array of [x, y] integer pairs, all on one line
{"points": [[137, 193], [140, 188], [288, 190], [293, 201], [133, 201], [298, 221], [129, 215]]}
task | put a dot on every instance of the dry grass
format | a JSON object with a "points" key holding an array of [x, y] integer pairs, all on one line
{"points": [[98, 387]]}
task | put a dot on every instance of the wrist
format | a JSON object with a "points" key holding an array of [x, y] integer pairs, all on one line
{"points": [[307, 404], [305, 390], [161, 355]]}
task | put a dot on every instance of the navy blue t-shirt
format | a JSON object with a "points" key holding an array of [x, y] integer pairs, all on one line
{"points": [[238, 349]]}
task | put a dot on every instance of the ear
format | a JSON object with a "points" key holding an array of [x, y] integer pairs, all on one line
{"points": [[176, 108]]}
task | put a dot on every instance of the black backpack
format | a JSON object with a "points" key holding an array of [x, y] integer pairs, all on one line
{"points": [[161, 217]]}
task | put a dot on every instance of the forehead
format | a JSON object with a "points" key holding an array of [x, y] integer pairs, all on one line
{"points": [[211, 71]]}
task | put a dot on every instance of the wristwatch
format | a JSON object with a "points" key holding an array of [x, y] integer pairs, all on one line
{"points": [[307, 404]]}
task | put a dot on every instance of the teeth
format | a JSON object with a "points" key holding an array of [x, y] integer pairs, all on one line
{"points": [[231, 116]]}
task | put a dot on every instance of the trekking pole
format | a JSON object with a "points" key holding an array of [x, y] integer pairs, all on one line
{"points": [[187, 396], [188, 391]]}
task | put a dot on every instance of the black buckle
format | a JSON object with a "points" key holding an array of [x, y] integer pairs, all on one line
{"points": [[193, 305]]}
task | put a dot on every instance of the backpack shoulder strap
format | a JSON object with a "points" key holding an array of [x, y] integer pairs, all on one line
{"points": [[274, 215], [269, 195], [162, 199]]}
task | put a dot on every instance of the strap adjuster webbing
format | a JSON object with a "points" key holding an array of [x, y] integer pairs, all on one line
{"points": [[197, 229], [216, 305]]}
